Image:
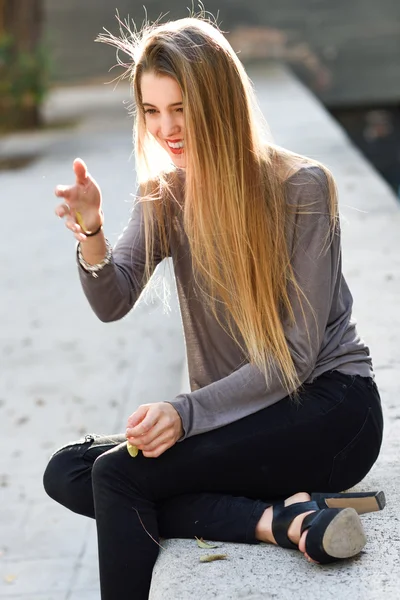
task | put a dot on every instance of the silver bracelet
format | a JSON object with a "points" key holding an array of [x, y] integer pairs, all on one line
{"points": [[93, 269]]}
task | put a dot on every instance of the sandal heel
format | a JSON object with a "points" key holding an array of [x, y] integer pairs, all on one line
{"points": [[362, 502], [333, 534]]}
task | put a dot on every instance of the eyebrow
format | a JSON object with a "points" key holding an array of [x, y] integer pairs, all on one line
{"points": [[170, 106]]}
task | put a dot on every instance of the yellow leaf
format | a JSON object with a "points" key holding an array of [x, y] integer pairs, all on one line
{"points": [[133, 450], [10, 578], [212, 557], [80, 220], [202, 544]]}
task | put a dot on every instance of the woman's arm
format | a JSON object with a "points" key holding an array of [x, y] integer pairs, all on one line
{"points": [[119, 284], [112, 290], [317, 269]]}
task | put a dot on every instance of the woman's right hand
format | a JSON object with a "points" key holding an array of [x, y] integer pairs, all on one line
{"points": [[84, 198]]}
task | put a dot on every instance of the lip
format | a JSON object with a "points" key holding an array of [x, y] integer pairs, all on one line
{"points": [[174, 141], [176, 151]]}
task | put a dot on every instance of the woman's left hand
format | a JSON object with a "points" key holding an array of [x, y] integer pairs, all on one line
{"points": [[153, 428]]}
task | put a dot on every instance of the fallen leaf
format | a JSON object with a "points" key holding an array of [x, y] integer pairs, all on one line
{"points": [[10, 578], [212, 557], [133, 451], [202, 544]]}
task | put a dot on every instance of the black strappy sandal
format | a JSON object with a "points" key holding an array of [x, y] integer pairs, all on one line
{"points": [[362, 502], [333, 533]]}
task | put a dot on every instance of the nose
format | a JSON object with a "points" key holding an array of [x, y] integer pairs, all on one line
{"points": [[168, 126]]}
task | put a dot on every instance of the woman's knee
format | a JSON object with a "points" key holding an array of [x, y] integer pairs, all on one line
{"points": [[116, 471], [67, 480], [106, 467]]}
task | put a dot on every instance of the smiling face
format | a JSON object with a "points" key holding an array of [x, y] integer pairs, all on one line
{"points": [[163, 112]]}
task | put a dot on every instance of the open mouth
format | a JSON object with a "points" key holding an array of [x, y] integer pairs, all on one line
{"points": [[176, 147]]}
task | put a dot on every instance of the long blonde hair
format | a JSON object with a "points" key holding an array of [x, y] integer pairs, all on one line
{"points": [[234, 209]]}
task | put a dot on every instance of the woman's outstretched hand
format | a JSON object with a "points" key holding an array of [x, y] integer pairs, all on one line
{"points": [[153, 428], [81, 205]]}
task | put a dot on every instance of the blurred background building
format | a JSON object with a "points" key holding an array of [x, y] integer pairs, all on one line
{"points": [[347, 53]]}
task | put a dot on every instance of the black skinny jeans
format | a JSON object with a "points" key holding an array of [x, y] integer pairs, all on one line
{"points": [[216, 485]]}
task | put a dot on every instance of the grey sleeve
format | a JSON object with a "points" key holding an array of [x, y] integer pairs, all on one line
{"points": [[119, 284], [245, 391]]}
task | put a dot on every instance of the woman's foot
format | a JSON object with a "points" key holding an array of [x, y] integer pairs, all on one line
{"points": [[264, 526]]}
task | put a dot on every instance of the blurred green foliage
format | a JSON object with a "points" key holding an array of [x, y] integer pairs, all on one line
{"points": [[24, 81]]}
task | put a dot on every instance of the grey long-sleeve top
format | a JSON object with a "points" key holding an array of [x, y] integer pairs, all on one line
{"points": [[224, 386]]}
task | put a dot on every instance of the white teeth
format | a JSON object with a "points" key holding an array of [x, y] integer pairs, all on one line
{"points": [[178, 145]]}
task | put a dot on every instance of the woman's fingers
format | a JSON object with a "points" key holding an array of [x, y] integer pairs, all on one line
{"points": [[76, 229], [138, 416], [61, 210], [72, 225], [160, 450], [153, 428], [80, 170], [152, 424], [84, 196], [80, 237], [147, 424], [143, 439], [159, 441], [68, 193], [64, 212], [63, 191]]}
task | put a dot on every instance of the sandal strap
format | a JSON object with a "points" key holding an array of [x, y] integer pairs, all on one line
{"points": [[309, 520], [283, 516]]}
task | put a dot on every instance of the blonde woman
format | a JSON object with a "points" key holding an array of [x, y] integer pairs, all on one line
{"points": [[283, 412]]}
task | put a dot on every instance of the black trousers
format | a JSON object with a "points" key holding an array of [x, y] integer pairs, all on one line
{"points": [[216, 485]]}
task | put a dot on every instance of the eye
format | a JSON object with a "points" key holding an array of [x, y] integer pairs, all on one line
{"points": [[179, 109], [150, 111]]}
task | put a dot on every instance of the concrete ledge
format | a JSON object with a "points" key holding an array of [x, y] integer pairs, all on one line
{"points": [[372, 266]]}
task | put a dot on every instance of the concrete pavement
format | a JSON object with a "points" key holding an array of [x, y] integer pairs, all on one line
{"points": [[64, 373]]}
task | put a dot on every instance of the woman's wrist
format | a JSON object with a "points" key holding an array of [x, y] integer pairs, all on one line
{"points": [[93, 267], [93, 250]]}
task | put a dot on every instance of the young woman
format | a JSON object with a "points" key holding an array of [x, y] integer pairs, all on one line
{"points": [[283, 412]]}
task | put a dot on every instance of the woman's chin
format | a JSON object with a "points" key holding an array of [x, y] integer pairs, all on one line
{"points": [[179, 161]]}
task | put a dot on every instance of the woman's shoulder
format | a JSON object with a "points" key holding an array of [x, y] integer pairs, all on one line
{"points": [[313, 176], [309, 194], [300, 175], [311, 185]]}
